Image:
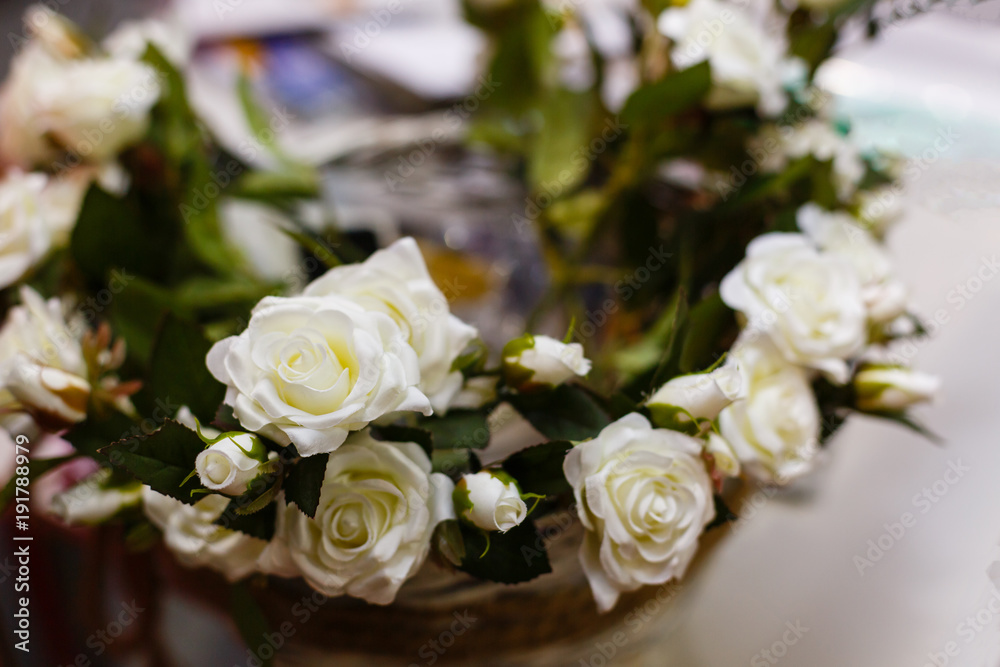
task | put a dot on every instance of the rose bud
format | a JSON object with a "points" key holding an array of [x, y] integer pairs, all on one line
{"points": [[540, 361], [893, 388], [697, 396], [230, 463], [490, 500]]}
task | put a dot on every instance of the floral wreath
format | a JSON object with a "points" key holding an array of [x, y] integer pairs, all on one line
{"points": [[333, 426]]}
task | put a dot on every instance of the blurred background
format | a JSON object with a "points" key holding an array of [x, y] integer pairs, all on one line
{"points": [[815, 557]]}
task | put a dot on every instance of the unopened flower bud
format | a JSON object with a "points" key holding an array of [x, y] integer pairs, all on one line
{"points": [[541, 361], [893, 388], [490, 500], [230, 463], [695, 397]]}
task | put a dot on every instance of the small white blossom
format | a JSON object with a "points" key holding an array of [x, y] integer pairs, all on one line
{"points": [[490, 501]]}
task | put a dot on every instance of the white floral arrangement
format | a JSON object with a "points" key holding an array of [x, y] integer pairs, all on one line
{"points": [[332, 429]]}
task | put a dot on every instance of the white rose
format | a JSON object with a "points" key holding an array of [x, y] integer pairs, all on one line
{"points": [[644, 496], [541, 360], [91, 107], [809, 303], [746, 50], [698, 395], [309, 370], [775, 430], [37, 214], [21, 141], [230, 463], [893, 388], [25, 236], [91, 502], [190, 533], [490, 501], [97, 107], [377, 510], [395, 281], [42, 368], [839, 233]]}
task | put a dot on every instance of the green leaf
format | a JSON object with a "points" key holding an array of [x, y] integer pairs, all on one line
{"points": [[522, 36], [458, 429], [257, 119], [254, 500], [136, 315], [707, 321], [472, 362], [565, 413], [577, 215], [455, 462], [164, 460], [36, 468], [903, 419], [762, 187], [619, 405], [202, 229], [447, 541], [723, 514], [141, 537], [834, 401], [305, 481], [99, 430], [513, 557], [831, 423], [677, 92], [558, 153], [203, 292], [118, 232], [657, 344], [315, 246], [813, 43], [675, 418], [178, 133], [178, 374], [670, 356], [259, 524], [514, 374], [251, 623], [175, 128], [260, 127], [656, 7], [824, 185], [539, 469], [272, 185]]}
